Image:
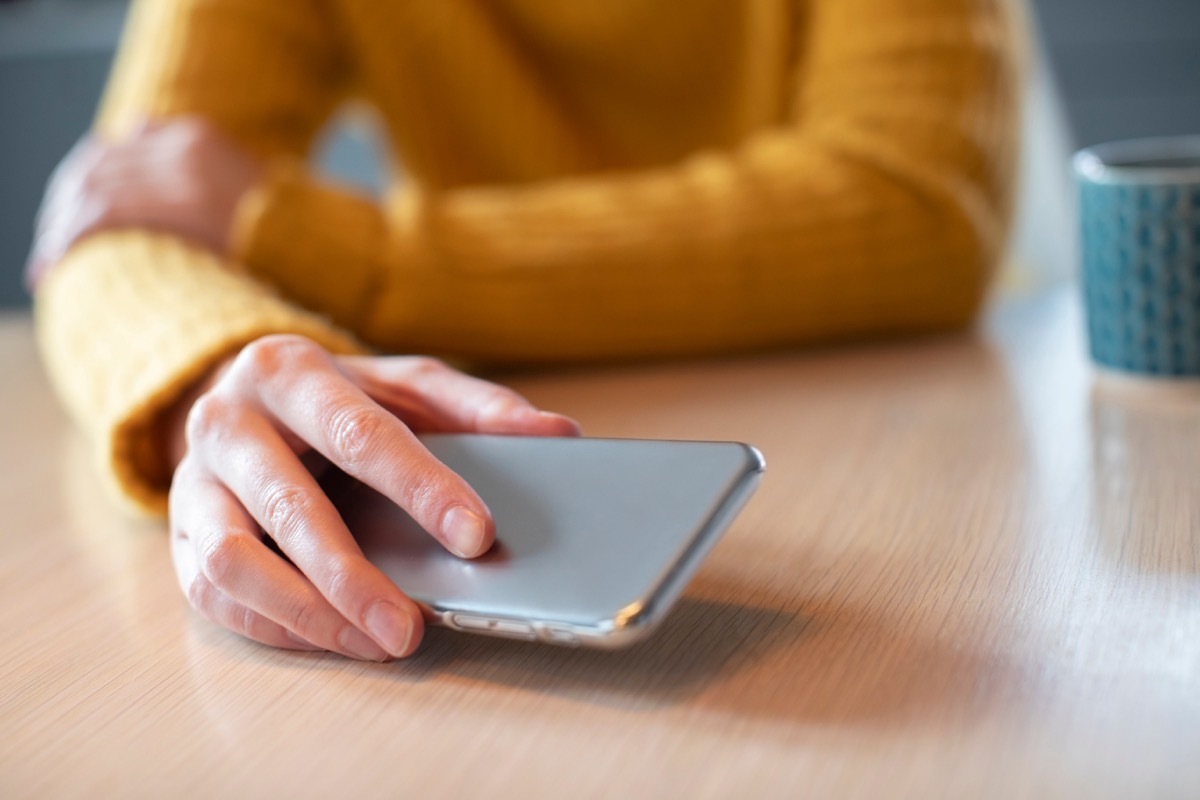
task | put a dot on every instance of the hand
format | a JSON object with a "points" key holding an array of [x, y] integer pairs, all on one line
{"points": [[178, 176], [242, 477]]}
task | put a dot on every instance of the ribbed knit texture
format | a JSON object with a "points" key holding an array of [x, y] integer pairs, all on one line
{"points": [[587, 180]]}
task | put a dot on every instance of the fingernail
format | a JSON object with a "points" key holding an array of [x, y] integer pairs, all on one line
{"points": [[544, 419], [464, 530], [389, 625], [355, 641], [547, 415]]}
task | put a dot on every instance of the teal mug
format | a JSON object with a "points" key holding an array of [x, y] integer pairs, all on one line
{"points": [[1140, 220]]}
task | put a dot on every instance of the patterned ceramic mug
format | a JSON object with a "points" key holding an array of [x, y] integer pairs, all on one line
{"points": [[1140, 213]]}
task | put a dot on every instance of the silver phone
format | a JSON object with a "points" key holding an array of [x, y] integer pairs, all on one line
{"points": [[595, 538]]}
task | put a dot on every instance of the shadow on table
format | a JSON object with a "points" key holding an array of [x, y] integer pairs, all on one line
{"points": [[833, 665], [700, 641]]}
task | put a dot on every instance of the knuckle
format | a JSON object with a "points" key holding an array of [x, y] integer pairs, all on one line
{"points": [[426, 365], [495, 401], [200, 594], [269, 356], [301, 618], [250, 623], [90, 212], [286, 507], [91, 183], [355, 433], [221, 559], [208, 416], [183, 479], [340, 582], [101, 209], [87, 180], [426, 494]]}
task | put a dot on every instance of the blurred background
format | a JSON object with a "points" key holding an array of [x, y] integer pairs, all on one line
{"points": [[1103, 69]]}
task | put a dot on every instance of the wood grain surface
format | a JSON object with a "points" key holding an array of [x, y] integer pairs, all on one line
{"points": [[972, 570]]}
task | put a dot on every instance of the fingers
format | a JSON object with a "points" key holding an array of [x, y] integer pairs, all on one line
{"points": [[179, 176], [64, 181], [246, 456], [233, 579], [282, 399], [96, 187], [431, 396], [82, 216], [62, 192], [219, 608], [307, 395]]}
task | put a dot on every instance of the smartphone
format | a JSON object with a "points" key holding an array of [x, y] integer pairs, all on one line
{"points": [[595, 538]]}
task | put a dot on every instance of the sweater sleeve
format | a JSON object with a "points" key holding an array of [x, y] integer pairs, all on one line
{"points": [[128, 320], [880, 206]]}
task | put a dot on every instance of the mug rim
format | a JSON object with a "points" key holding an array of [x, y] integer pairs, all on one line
{"points": [[1095, 163]]}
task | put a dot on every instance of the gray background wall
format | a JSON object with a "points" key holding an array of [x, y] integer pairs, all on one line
{"points": [[1124, 68], [54, 60], [54, 57]]}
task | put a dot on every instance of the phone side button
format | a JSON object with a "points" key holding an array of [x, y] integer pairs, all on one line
{"points": [[468, 623], [517, 630], [559, 636], [497, 627]]}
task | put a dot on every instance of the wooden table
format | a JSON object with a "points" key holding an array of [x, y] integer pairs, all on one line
{"points": [[970, 571]]}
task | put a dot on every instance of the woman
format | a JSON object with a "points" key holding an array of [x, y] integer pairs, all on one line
{"points": [[586, 181]]}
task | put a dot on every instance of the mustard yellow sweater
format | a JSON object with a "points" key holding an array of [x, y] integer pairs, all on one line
{"points": [[585, 179]]}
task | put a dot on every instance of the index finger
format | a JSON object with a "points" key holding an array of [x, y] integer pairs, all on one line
{"points": [[310, 397]]}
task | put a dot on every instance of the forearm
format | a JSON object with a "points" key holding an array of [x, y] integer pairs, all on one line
{"points": [[787, 242], [881, 205], [721, 254]]}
